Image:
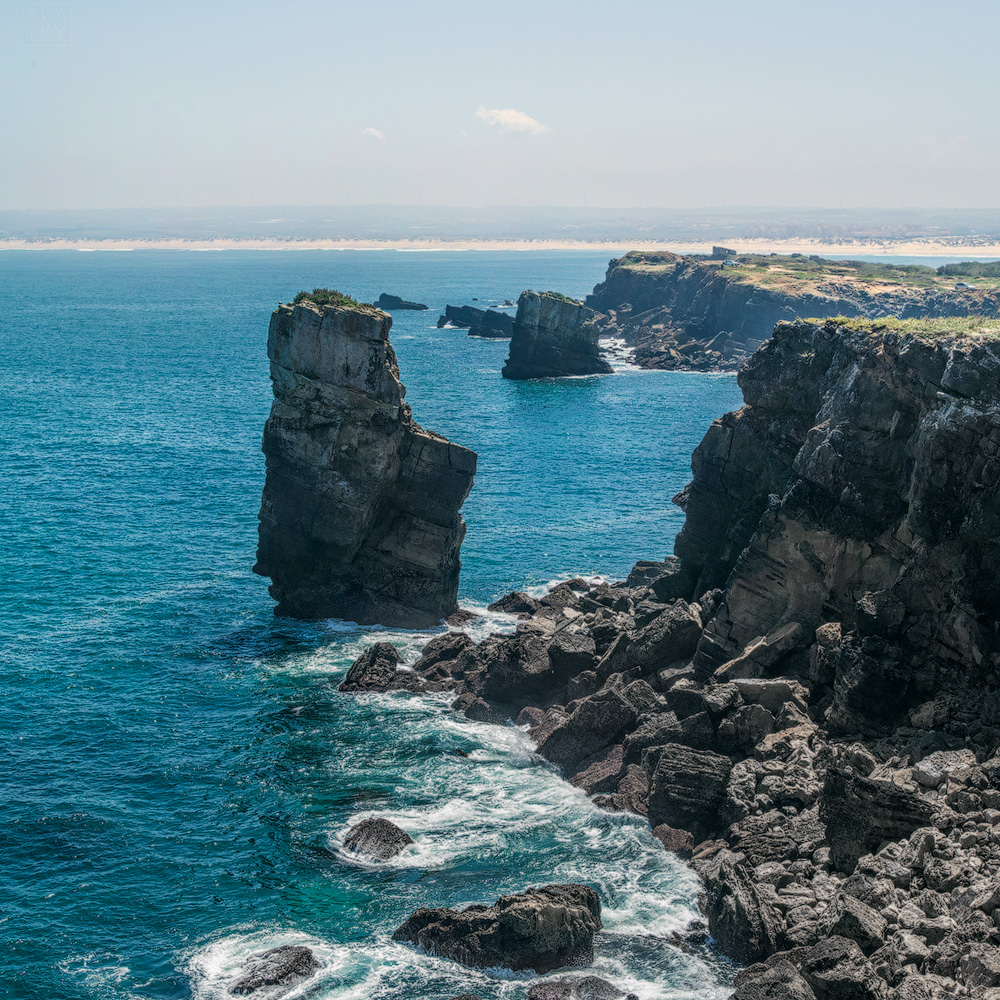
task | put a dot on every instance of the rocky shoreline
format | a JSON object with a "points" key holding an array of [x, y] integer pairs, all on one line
{"points": [[805, 700], [695, 313]]}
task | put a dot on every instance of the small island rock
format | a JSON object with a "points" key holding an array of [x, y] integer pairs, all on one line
{"points": [[282, 966], [540, 929], [377, 838]]}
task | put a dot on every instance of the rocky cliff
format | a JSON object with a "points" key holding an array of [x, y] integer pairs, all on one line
{"points": [[805, 701], [705, 314], [360, 513], [553, 336]]}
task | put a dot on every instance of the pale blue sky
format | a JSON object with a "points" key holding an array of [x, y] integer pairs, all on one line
{"points": [[114, 104]]}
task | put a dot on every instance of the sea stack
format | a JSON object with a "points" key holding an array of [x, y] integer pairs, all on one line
{"points": [[360, 514], [554, 336]]}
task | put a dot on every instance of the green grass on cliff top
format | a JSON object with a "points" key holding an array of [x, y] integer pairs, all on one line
{"points": [[926, 328], [797, 274], [331, 297]]}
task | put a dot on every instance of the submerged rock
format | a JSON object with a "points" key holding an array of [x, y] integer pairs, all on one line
{"points": [[282, 966], [540, 929], [553, 336], [360, 514], [377, 838]]}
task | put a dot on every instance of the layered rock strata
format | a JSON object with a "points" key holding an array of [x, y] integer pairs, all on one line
{"points": [[360, 513], [806, 700], [689, 313], [553, 337]]}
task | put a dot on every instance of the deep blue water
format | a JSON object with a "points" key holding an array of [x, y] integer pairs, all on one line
{"points": [[178, 767]]}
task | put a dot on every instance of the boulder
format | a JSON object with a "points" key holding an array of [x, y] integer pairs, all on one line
{"points": [[780, 982], [860, 813], [739, 920], [359, 518], [377, 838], [515, 603], [375, 670], [282, 966], [687, 788], [583, 988], [848, 917], [540, 929], [837, 969]]}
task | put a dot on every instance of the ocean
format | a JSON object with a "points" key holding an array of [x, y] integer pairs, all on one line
{"points": [[179, 767]]}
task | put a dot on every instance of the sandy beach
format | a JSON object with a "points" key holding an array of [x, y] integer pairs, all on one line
{"points": [[958, 247]]}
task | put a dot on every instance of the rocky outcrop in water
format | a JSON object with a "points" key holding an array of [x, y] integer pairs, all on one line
{"points": [[807, 698], [360, 513], [553, 337], [488, 323], [283, 966], [540, 929], [690, 313], [390, 303], [377, 838]]}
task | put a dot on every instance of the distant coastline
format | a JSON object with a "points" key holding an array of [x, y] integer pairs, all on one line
{"points": [[960, 247]]}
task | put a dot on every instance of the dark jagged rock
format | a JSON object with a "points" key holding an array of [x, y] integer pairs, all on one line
{"points": [[392, 302], [687, 788], [493, 325], [540, 929], [582, 988], [861, 813], [360, 514], [375, 670], [739, 920], [779, 982], [553, 337], [461, 316], [282, 966], [377, 838]]}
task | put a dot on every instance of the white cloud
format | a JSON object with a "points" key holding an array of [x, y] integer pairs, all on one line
{"points": [[374, 133], [511, 120]]}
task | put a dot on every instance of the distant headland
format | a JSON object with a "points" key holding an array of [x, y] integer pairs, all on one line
{"points": [[962, 247]]}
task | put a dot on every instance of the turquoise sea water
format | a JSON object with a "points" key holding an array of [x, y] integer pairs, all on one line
{"points": [[178, 766]]}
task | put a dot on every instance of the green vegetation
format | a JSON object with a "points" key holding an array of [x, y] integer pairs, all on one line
{"points": [[328, 297], [798, 274], [926, 328], [971, 269], [562, 298]]}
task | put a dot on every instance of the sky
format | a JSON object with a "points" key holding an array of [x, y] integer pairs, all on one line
{"points": [[108, 104]]}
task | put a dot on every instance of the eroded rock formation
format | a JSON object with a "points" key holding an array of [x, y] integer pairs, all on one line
{"points": [[691, 313], [360, 513], [807, 701], [553, 336]]}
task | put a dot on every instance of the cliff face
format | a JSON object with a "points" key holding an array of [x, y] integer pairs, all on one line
{"points": [[805, 703], [860, 486], [689, 313], [360, 513], [553, 336]]}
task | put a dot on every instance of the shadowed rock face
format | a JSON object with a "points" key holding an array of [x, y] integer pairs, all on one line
{"points": [[553, 336], [540, 929], [858, 486], [360, 514]]}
